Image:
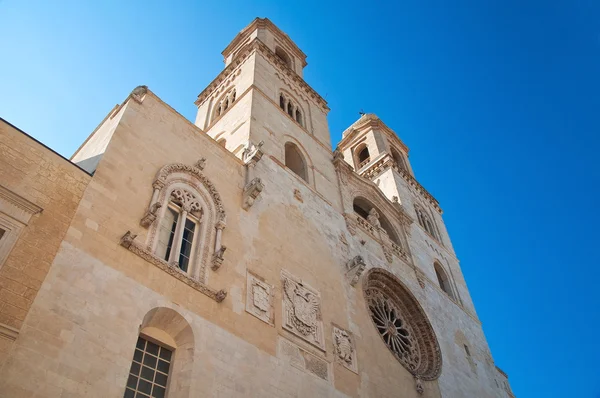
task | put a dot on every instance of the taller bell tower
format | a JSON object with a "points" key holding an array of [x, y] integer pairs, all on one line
{"points": [[261, 96]]}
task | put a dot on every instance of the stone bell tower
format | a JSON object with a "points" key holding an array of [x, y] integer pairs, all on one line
{"points": [[261, 98]]}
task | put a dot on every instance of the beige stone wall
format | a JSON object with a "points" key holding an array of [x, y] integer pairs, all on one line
{"points": [[32, 172]]}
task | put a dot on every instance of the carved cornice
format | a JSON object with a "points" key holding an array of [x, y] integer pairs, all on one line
{"points": [[257, 46], [265, 23], [385, 163], [369, 121], [128, 242], [19, 201]]}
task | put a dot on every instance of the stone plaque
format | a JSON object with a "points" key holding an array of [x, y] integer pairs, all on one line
{"points": [[344, 349], [259, 298], [302, 310]]}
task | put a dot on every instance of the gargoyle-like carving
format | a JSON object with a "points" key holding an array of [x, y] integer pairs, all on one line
{"points": [[127, 239], [138, 93], [302, 311], [251, 192], [298, 195], [217, 259], [220, 296], [356, 266], [253, 153], [200, 164], [150, 215], [344, 350]]}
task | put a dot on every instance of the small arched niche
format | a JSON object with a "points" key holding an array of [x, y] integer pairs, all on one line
{"points": [[295, 161], [363, 207], [362, 156], [443, 279], [283, 56], [399, 159], [163, 357]]}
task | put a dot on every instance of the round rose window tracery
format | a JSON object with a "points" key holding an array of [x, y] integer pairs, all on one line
{"points": [[402, 324]]}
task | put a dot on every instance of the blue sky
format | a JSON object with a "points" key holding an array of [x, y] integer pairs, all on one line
{"points": [[498, 101]]}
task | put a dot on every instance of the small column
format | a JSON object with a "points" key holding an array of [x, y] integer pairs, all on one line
{"points": [[178, 236]]}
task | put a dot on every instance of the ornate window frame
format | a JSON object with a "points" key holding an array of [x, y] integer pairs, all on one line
{"points": [[224, 104], [426, 222], [419, 351], [176, 177]]}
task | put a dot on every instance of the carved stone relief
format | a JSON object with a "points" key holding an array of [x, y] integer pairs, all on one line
{"points": [[355, 267], [251, 192], [302, 359], [259, 298], [302, 310], [344, 349]]}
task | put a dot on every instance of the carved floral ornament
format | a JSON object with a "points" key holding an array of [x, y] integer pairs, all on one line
{"points": [[402, 325]]}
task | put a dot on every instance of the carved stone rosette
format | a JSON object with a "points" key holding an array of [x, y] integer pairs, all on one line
{"points": [[259, 298], [344, 349], [302, 310]]}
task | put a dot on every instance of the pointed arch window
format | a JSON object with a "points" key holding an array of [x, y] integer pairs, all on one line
{"points": [[425, 221], [282, 55], [399, 160], [443, 280], [369, 212], [295, 161], [185, 219]]}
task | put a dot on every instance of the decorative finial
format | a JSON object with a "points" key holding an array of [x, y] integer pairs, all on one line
{"points": [[361, 113]]}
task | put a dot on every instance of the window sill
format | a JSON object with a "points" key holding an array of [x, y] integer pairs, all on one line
{"points": [[127, 241]]}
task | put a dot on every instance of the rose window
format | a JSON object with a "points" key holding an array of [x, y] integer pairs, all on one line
{"points": [[402, 324]]}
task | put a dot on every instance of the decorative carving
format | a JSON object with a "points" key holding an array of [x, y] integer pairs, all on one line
{"points": [[138, 93], [302, 311], [419, 385], [402, 324], [127, 241], [259, 298], [200, 164], [150, 215], [217, 259], [355, 267], [251, 192], [164, 172], [395, 200], [421, 280], [298, 195], [343, 348], [373, 218], [253, 153], [186, 200], [387, 253]]}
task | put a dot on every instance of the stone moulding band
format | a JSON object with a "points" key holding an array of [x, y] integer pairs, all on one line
{"points": [[127, 241]]}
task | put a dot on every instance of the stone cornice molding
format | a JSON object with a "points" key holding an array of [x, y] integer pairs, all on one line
{"points": [[258, 46], [365, 122], [374, 193], [128, 242], [19, 201], [264, 23], [386, 162]]}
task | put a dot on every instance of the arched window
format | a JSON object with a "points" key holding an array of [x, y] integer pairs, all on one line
{"points": [[283, 56], [162, 357], [290, 106], [364, 208], [177, 232], [425, 221], [295, 161], [185, 219], [282, 101], [363, 157], [298, 116], [224, 102], [399, 159], [290, 109], [443, 279]]}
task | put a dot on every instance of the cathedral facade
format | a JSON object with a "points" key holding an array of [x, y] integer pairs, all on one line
{"points": [[237, 256]]}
